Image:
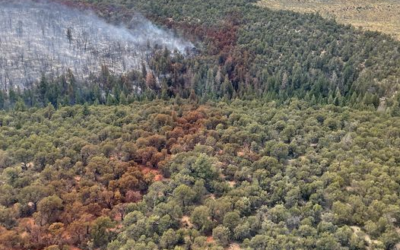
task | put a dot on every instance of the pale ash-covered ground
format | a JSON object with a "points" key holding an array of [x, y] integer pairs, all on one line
{"points": [[374, 15], [34, 41]]}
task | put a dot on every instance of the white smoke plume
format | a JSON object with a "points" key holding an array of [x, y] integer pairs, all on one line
{"points": [[48, 38]]}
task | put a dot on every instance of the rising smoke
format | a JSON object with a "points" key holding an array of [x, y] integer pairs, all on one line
{"points": [[48, 38]]}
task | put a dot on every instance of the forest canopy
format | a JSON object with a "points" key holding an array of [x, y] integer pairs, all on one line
{"points": [[278, 130], [178, 175], [241, 51]]}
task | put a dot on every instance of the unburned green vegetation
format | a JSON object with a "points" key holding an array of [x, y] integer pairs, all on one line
{"points": [[179, 175]]}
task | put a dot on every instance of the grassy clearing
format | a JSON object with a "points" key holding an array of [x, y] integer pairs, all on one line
{"points": [[383, 15]]}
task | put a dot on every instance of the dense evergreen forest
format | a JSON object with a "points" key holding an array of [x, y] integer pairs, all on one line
{"points": [[242, 51], [278, 131], [178, 175]]}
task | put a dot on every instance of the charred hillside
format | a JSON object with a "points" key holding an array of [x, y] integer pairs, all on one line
{"points": [[50, 39]]}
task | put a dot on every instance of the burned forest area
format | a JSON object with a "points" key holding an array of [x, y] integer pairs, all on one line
{"points": [[50, 39]]}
